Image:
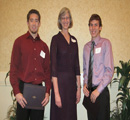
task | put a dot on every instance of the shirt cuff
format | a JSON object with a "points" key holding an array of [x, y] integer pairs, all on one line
{"points": [[16, 91], [48, 90], [100, 88]]}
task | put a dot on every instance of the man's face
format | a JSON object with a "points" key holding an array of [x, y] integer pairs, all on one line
{"points": [[33, 23], [94, 28]]}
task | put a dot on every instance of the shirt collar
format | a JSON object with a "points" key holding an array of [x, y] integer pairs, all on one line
{"points": [[97, 39], [29, 36], [62, 34]]}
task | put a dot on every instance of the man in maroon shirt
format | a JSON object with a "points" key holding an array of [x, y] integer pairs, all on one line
{"points": [[30, 63]]}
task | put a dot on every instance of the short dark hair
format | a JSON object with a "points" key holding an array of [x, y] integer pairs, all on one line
{"points": [[95, 17], [35, 12]]}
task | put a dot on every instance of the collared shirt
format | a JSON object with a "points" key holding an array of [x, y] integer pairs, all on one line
{"points": [[103, 67], [30, 62]]}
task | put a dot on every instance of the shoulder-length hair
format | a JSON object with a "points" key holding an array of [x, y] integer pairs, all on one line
{"points": [[63, 11]]}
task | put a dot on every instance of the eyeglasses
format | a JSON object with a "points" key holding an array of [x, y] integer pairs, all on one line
{"points": [[63, 18]]}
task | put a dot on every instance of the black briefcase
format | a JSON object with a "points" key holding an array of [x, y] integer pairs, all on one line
{"points": [[34, 95]]}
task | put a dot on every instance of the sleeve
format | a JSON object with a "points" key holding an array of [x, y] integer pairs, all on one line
{"points": [[14, 66], [53, 57], [47, 71], [77, 66], [109, 67]]}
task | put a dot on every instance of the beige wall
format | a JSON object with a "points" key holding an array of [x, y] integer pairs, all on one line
{"points": [[115, 15]]}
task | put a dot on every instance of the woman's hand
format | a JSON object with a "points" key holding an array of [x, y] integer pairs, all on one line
{"points": [[58, 101], [78, 95]]}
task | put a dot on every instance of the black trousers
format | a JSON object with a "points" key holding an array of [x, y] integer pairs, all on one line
{"points": [[27, 114], [100, 110]]}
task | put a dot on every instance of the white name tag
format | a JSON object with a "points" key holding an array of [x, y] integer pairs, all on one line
{"points": [[73, 40], [42, 54], [43, 83], [98, 50]]}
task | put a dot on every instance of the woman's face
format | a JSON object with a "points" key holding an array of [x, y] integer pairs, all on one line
{"points": [[65, 21]]}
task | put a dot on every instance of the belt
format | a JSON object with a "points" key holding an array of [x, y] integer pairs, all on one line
{"points": [[93, 88], [22, 83]]}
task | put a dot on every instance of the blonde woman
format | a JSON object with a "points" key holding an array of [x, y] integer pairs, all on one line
{"points": [[65, 71]]}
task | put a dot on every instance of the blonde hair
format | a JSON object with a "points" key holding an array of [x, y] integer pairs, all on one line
{"points": [[63, 11]]}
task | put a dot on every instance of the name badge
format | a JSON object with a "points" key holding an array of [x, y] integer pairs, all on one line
{"points": [[98, 50], [43, 83], [73, 40], [42, 54]]}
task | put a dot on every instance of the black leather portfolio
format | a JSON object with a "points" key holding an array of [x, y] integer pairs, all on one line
{"points": [[34, 95]]}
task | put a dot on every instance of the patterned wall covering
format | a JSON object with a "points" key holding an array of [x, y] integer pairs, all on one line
{"points": [[115, 15]]}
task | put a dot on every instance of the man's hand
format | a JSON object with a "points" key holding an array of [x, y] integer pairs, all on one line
{"points": [[21, 100], [85, 91], [46, 99], [78, 95], [58, 100], [94, 95]]}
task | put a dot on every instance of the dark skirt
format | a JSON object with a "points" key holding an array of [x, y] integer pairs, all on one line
{"points": [[67, 90]]}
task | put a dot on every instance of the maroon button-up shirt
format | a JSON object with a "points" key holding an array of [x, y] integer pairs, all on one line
{"points": [[30, 62]]}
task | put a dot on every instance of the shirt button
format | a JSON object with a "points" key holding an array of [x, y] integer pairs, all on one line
{"points": [[34, 58], [35, 78], [34, 48], [35, 68]]}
